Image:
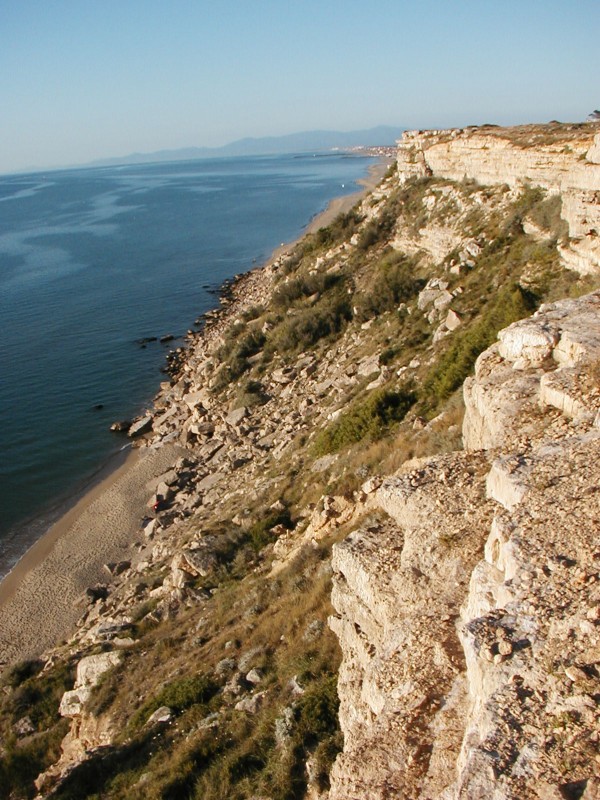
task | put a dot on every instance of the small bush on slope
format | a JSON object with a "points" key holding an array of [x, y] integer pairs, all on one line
{"points": [[366, 419], [392, 282], [448, 374], [37, 697]]}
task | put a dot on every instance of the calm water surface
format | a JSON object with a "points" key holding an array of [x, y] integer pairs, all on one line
{"points": [[92, 260]]}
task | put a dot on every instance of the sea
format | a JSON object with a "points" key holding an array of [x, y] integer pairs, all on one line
{"points": [[94, 261]]}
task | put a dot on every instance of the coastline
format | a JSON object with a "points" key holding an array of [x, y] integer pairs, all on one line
{"points": [[41, 596], [337, 206]]}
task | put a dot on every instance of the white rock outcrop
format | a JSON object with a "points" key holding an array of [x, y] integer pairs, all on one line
{"points": [[566, 166], [89, 671], [469, 620]]}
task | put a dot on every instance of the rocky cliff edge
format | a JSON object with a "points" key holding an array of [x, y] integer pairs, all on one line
{"points": [[470, 619]]}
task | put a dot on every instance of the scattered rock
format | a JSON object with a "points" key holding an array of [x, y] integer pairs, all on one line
{"points": [[24, 727], [254, 676], [140, 426], [162, 716], [121, 426], [252, 704]]}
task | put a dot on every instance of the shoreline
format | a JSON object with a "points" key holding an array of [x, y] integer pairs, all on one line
{"points": [[42, 599], [43, 545], [36, 526], [335, 207], [41, 596]]}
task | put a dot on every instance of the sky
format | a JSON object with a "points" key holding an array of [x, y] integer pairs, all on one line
{"points": [[87, 79]]}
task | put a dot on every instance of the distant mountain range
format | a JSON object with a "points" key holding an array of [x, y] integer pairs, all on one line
{"points": [[308, 141]]}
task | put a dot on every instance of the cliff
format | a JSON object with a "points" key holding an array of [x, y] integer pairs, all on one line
{"points": [[564, 162], [468, 621], [392, 427]]}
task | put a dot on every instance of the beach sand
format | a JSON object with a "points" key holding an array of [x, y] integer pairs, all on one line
{"points": [[42, 598]]}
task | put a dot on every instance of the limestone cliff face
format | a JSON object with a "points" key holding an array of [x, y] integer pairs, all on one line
{"points": [[567, 163], [470, 620]]}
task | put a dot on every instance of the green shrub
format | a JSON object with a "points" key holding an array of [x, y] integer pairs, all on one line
{"points": [[546, 214], [178, 695], [39, 696], [511, 303], [301, 287], [22, 762], [254, 312], [105, 692], [36, 695], [20, 672], [378, 229], [367, 419], [302, 331], [259, 534], [251, 394], [318, 710], [341, 229], [393, 282], [318, 726], [235, 354]]}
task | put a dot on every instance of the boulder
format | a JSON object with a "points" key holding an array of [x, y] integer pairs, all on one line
{"points": [[198, 562], [140, 426], [528, 343], [234, 418], [162, 716], [24, 727], [89, 671], [452, 321], [251, 705], [254, 676], [121, 426], [115, 569]]}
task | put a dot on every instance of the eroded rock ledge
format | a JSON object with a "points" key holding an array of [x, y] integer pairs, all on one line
{"points": [[470, 621], [567, 164]]}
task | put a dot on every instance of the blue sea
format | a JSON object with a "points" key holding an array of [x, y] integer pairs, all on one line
{"points": [[92, 261]]}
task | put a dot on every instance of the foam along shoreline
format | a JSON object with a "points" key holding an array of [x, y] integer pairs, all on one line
{"points": [[42, 597]]}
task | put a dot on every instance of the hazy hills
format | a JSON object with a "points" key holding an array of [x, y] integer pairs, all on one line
{"points": [[270, 145]]}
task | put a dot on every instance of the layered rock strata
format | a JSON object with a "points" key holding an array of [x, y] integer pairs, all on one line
{"points": [[470, 621], [565, 163]]}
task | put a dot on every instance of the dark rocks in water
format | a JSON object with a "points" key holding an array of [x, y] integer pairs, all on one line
{"points": [[98, 407], [145, 340], [121, 426], [175, 363], [168, 337]]}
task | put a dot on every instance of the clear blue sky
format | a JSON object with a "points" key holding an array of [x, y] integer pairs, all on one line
{"points": [[84, 79]]}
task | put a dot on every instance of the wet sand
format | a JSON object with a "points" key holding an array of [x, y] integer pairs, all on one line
{"points": [[42, 598]]}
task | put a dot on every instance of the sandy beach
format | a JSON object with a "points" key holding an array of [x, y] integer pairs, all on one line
{"points": [[42, 598]]}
